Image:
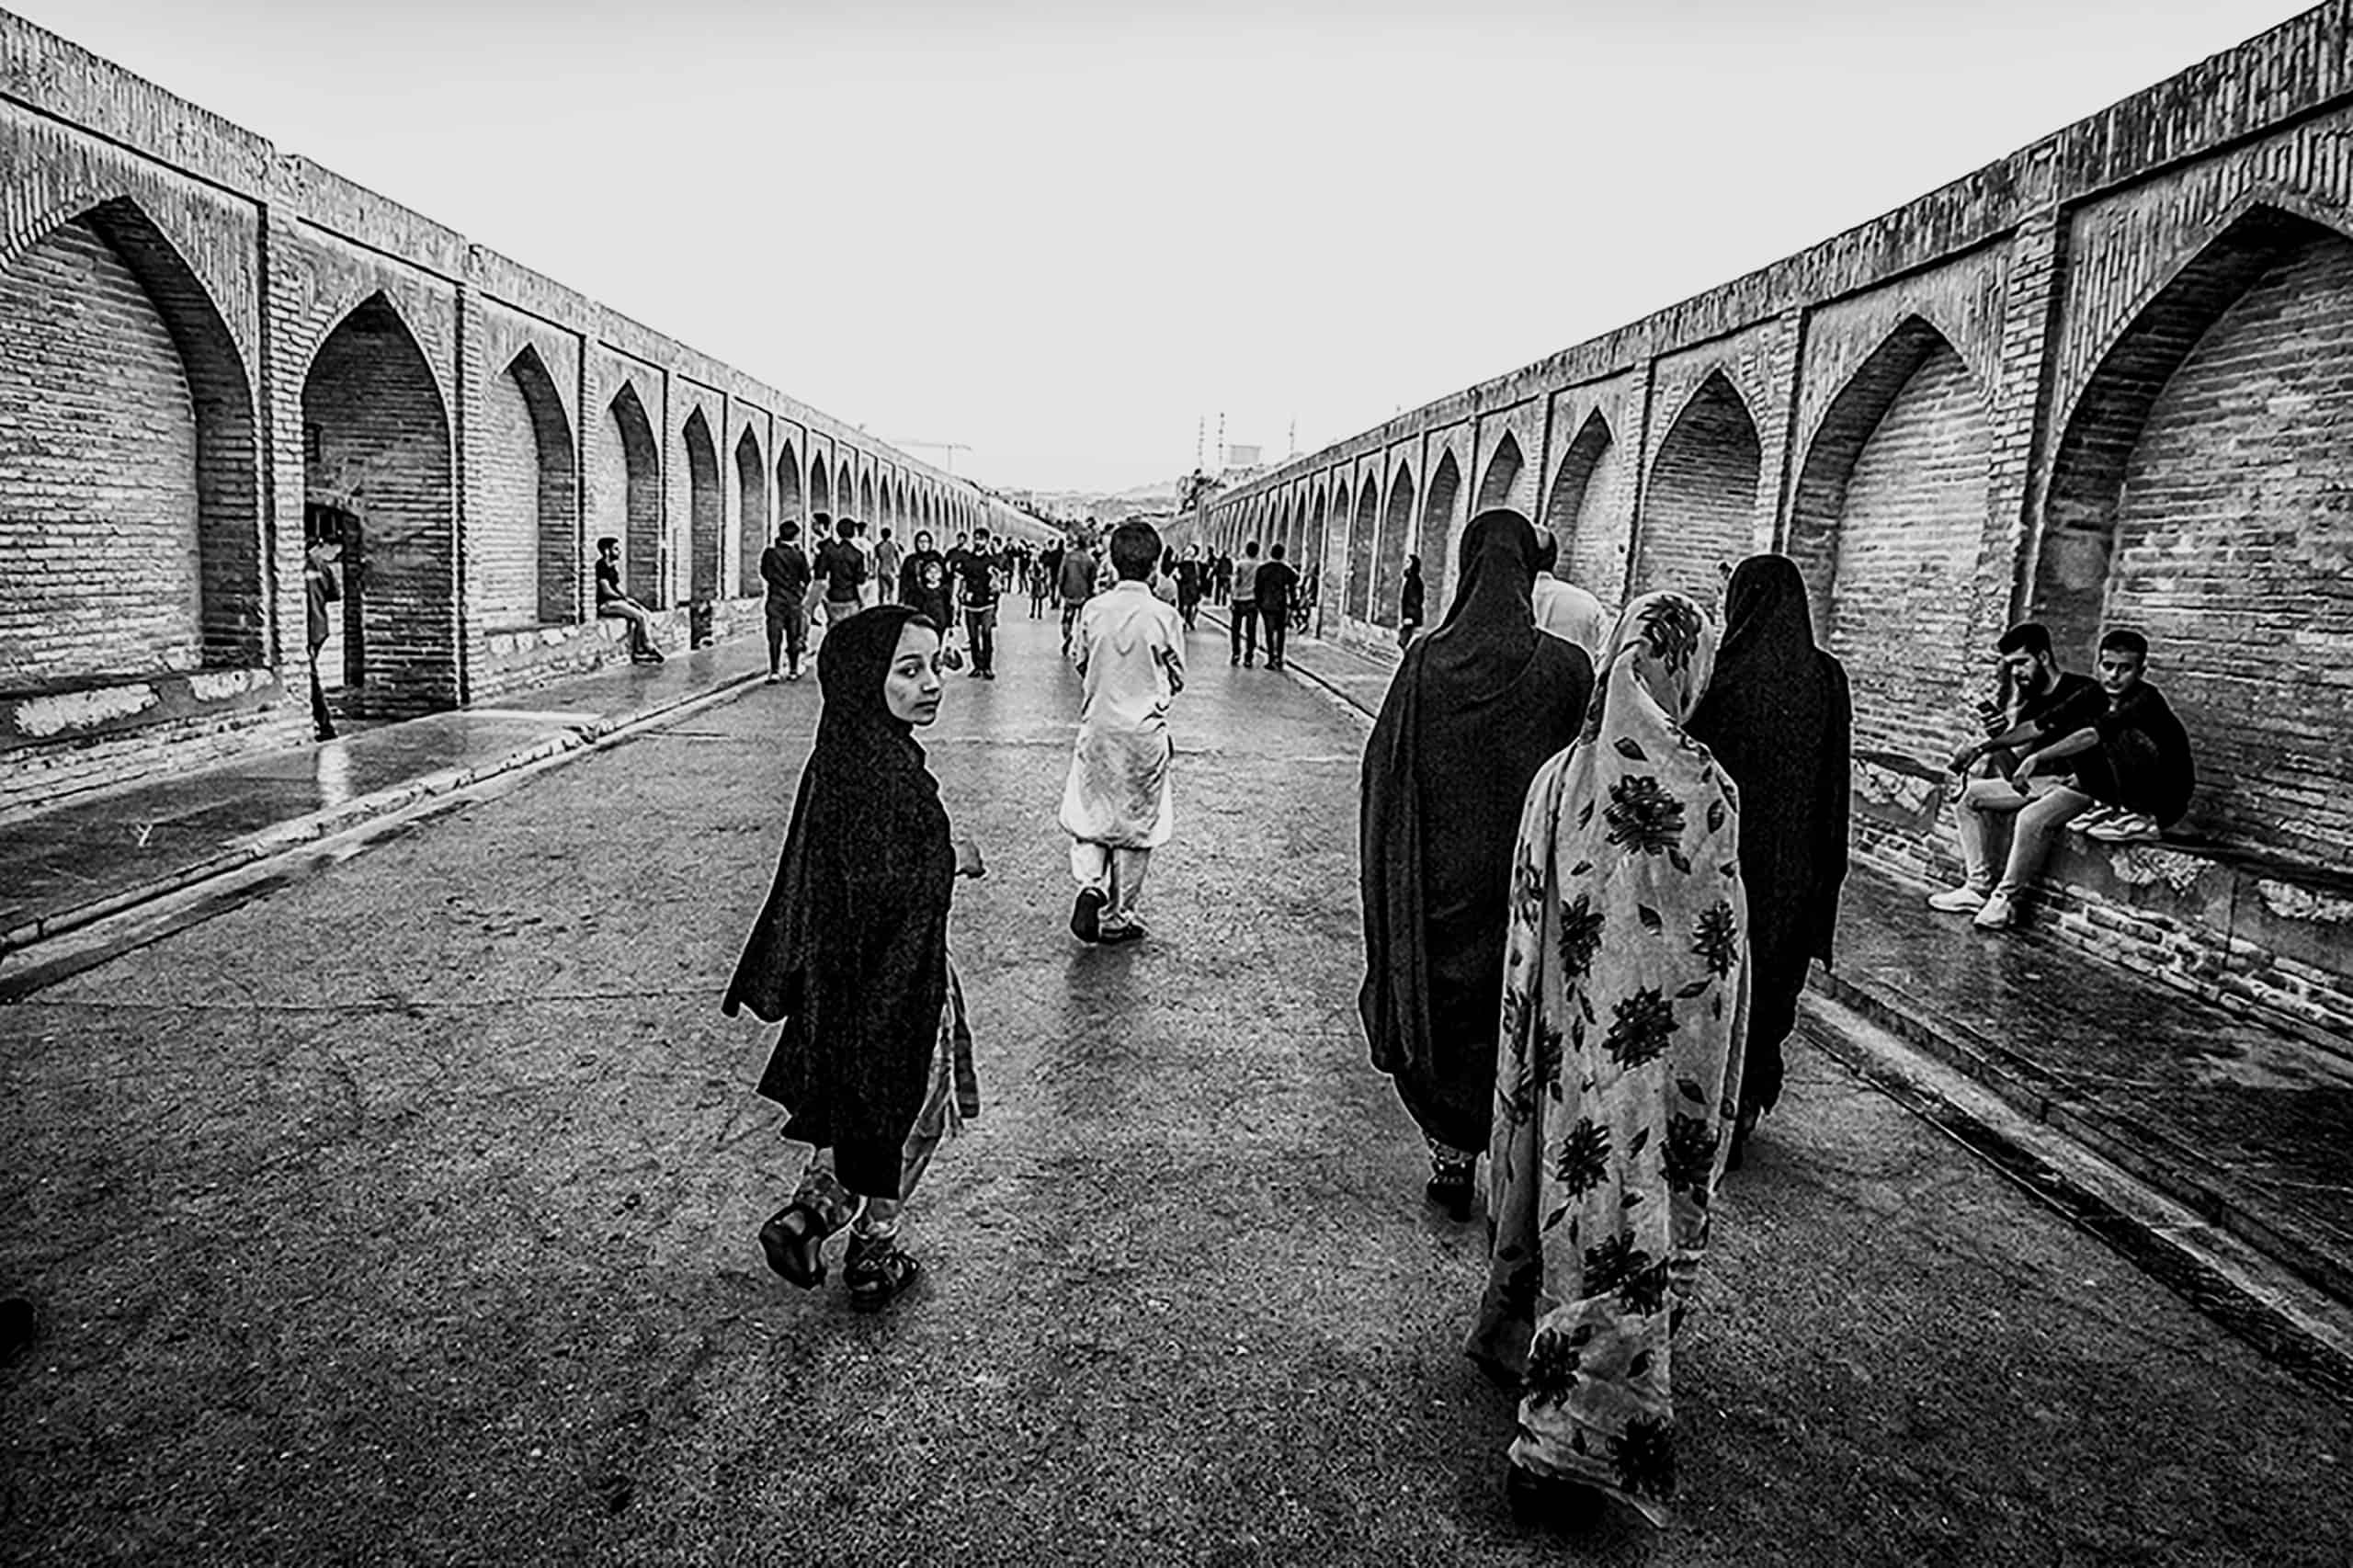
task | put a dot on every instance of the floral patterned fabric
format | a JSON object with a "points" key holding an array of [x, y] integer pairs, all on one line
{"points": [[1618, 1068]]}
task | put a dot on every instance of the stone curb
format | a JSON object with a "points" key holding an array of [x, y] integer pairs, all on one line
{"points": [[586, 735]]}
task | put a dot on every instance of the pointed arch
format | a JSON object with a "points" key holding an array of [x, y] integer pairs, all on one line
{"points": [[1592, 552], [1437, 528], [1502, 476], [1396, 544], [2196, 493], [1363, 541], [1700, 506], [524, 547], [1886, 521], [865, 497], [789, 502], [377, 462], [821, 492], [706, 507], [625, 494], [115, 353], [751, 526]]}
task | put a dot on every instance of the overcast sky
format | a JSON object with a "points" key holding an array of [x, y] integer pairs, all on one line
{"points": [[1060, 234]]}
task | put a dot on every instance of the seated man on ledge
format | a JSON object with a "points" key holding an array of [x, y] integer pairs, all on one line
{"points": [[2115, 745], [611, 601]]}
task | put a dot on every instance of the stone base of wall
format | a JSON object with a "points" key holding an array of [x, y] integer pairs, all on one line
{"points": [[509, 661], [58, 746], [2255, 936]]}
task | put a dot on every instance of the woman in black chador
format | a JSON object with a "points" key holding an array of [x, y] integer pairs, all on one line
{"points": [[1778, 719], [850, 955], [1476, 708]]}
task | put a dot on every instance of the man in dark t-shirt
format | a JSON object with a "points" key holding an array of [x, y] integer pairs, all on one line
{"points": [[1277, 581], [613, 603], [979, 577], [841, 566], [785, 569]]}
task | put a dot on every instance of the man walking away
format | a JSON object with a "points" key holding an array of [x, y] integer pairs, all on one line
{"points": [[1077, 585], [784, 567], [887, 557], [841, 566], [1241, 607], [979, 579], [1118, 804], [1189, 572], [1277, 583]]}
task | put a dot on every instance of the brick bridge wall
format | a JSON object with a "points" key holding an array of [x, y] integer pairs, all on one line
{"points": [[200, 338], [2107, 379]]}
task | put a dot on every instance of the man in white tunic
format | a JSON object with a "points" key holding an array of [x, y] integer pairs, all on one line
{"points": [[1561, 607], [1130, 649]]}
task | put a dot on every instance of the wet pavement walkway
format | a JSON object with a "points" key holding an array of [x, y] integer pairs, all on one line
{"points": [[95, 857], [2248, 1125]]}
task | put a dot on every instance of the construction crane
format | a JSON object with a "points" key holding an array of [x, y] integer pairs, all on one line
{"points": [[950, 447]]}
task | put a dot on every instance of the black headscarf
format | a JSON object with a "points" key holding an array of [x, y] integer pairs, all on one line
{"points": [[1778, 716], [1477, 707], [850, 952]]}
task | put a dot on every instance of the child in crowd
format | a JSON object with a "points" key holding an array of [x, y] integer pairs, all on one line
{"points": [[1130, 649]]}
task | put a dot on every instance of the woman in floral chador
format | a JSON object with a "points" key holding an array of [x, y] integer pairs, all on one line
{"points": [[875, 1062], [1624, 1000], [1475, 709]]}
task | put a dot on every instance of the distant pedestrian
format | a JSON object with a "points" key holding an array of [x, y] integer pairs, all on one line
{"points": [[1474, 710], [784, 567], [977, 575], [1118, 802], [1277, 586], [1190, 571], [1077, 585], [1038, 578], [1242, 608], [850, 955], [1780, 722], [1409, 604], [1624, 993], [319, 591], [923, 584], [841, 573], [888, 557], [614, 604], [1221, 577]]}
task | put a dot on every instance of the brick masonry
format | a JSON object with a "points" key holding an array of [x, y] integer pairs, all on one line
{"points": [[2103, 380], [204, 339]]}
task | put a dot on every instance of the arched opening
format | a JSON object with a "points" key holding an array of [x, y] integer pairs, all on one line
{"points": [[706, 508], [1701, 505], [1886, 522], [1362, 538], [866, 498], [1592, 552], [625, 494], [1503, 474], [751, 526], [377, 462], [1396, 544], [1437, 528], [821, 492], [787, 486], [128, 471], [523, 548], [2200, 493]]}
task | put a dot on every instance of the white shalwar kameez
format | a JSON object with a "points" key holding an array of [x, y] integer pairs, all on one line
{"points": [[1118, 805]]}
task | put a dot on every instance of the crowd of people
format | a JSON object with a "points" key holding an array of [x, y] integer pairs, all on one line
{"points": [[1599, 852]]}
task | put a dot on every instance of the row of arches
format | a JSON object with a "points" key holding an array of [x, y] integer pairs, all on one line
{"points": [[132, 532], [2199, 488]]}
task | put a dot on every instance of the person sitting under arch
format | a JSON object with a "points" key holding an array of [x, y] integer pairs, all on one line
{"points": [[613, 603]]}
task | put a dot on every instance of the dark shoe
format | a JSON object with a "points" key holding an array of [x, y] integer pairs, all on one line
{"points": [[1549, 1500], [988, 674], [1451, 1195], [794, 1241], [1086, 916], [1742, 1127], [19, 1325], [878, 1271], [1124, 931]]}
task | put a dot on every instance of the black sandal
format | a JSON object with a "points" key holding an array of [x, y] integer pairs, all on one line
{"points": [[794, 1241], [877, 1272], [1550, 1502]]}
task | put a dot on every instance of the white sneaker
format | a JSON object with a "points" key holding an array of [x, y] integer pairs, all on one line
{"points": [[1996, 915], [2127, 828], [1963, 900], [2092, 821]]}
